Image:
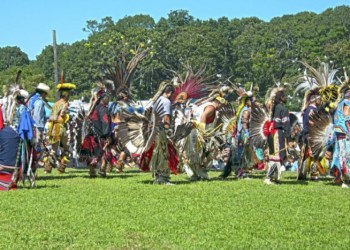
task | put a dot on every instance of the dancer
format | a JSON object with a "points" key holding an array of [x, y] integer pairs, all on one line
{"points": [[341, 158], [311, 104], [97, 141], [57, 136], [279, 136]]}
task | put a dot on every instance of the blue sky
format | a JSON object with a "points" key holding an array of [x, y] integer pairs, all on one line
{"points": [[28, 24]]}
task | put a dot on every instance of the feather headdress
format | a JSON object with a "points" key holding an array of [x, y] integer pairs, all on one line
{"points": [[312, 78], [243, 96], [216, 93], [193, 86], [345, 85], [321, 79], [14, 90], [101, 89], [271, 96]]}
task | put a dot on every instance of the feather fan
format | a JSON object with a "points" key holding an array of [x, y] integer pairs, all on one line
{"points": [[259, 116], [183, 126], [321, 133], [139, 132], [228, 117]]}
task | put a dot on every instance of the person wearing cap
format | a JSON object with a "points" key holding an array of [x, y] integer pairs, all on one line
{"points": [[36, 106], [312, 104]]}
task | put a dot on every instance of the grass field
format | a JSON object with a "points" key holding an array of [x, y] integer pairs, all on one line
{"points": [[127, 211]]}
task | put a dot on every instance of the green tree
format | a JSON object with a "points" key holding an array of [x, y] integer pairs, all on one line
{"points": [[12, 56]]}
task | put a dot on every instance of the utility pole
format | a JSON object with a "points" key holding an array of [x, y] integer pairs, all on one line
{"points": [[55, 62]]}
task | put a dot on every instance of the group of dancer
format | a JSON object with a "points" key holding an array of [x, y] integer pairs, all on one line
{"points": [[185, 126]]}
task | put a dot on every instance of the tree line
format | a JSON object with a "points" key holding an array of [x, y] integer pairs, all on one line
{"points": [[246, 50]]}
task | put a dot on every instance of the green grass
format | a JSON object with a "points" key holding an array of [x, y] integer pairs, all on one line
{"points": [[126, 211]]}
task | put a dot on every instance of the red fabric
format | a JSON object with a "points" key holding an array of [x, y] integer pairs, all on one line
{"points": [[344, 170], [133, 155], [146, 159], [1, 118], [93, 116], [307, 153], [173, 160], [88, 144], [260, 166], [268, 128], [6, 182], [210, 119]]}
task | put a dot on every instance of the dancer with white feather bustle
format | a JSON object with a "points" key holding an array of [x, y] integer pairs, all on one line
{"points": [[151, 135], [321, 93], [192, 148], [311, 105], [200, 151], [242, 156], [154, 144], [120, 152]]}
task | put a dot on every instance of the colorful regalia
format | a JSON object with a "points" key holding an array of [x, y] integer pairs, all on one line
{"points": [[10, 149], [21, 121], [195, 154], [118, 151], [150, 135], [318, 85], [95, 146], [57, 136], [341, 156]]}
